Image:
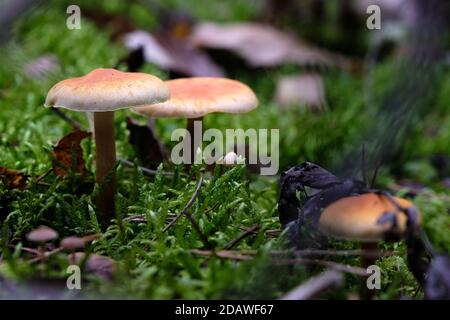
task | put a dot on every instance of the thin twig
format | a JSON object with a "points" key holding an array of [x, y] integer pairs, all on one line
{"points": [[45, 255], [305, 253], [43, 184], [75, 124], [42, 176], [143, 218], [374, 177], [197, 228], [315, 286], [272, 233], [25, 249], [189, 216], [135, 218], [329, 264], [206, 212], [339, 253], [147, 170], [249, 255], [224, 254], [241, 236], [188, 205], [90, 237]]}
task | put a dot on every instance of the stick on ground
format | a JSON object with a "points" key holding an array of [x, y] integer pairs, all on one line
{"points": [[75, 124], [148, 171], [315, 286], [241, 236], [188, 205]]}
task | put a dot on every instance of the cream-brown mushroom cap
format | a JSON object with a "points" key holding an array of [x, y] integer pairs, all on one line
{"points": [[42, 234], [198, 96], [357, 217], [72, 243], [107, 90]]}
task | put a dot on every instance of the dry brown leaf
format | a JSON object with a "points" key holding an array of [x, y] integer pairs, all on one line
{"points": [[14, 179], [173, 54], [190, 61], [133, 61], [262, 45], [304, 89], [153, 52], [149, 149], [65, 150]]}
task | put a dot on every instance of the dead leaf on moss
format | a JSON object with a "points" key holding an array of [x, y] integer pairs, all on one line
{"points": [[262, 45], [68, 154], [173, 54], [14, 179], [149, 149]]}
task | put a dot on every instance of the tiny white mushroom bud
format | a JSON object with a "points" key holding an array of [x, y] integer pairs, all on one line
{"points": [[230, 159]]}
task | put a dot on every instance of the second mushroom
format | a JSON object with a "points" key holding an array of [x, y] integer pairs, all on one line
{"points": [[193, 98]]}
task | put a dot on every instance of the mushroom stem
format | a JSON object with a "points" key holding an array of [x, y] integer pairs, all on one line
{"points": [[367, 260], [106, 160], [42, 251], [194, 143], [90, 118]]}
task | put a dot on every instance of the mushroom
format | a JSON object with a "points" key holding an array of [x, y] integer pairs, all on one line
{"points": [[102, 92], [361, 218], [367, 218], [94, 263], [195, 97], [72, 243], [230, 159], [42, 235]]}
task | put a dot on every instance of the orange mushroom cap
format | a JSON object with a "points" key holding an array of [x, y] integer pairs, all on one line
{"points": [[107, 90], [198, 96], [358, 218]]}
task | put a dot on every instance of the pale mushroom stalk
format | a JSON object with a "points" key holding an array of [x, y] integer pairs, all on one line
{"points": [[90, 118], [106, 160], [71, 244], [100, 93]]}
